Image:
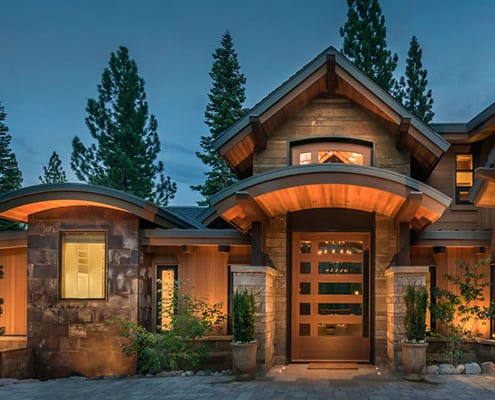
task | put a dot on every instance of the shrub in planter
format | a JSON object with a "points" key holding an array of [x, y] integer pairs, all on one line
{"points": [[414, 345], [244, 344]]}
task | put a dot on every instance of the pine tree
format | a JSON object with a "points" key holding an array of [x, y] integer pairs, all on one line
{"points": [[127, 142], [10, 174], [225, 106], [413, 92], [365, 42], [53, 173]]}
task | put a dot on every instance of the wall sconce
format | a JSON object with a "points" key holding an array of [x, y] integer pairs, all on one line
{"points": [[223, 249], [479, 250], [439, 250]]}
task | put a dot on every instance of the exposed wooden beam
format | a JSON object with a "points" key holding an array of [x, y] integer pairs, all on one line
{"points": [[250, 208], [257, 256], [331, 75], [404, 257], [259, 134], [404, 126], [410, 207]]}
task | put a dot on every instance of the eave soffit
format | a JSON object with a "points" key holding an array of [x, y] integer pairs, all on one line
{"points": [[18, 205], [369, 189]]}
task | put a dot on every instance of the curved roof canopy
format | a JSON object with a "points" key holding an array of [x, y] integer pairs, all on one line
{"points": [[19, 204], [330, 185], [330, 74]]}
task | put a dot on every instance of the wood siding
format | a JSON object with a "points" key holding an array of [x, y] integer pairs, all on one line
{"points": [[333, 117], [203, 269], [448, 264], [13, 291], [457, 216]]}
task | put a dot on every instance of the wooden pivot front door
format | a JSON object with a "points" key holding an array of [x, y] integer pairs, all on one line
{"points": [[330, 297]]}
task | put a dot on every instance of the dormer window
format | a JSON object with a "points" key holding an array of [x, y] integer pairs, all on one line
{"points": [[339, 151]]}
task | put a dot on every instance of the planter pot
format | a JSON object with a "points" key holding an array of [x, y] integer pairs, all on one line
{"points": [[244, 360], [414, 360]]}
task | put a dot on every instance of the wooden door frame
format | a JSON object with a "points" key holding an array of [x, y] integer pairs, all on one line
{"points": [[370, 227]]}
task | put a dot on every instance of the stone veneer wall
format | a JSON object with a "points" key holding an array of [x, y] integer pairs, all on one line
{"points": [[74, 336], [386, 243], [398, 278], [276, 251], [260, 281], [333, 117]]}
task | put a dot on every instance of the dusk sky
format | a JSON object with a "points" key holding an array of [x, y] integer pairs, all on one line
{"points": [[52, 55]]}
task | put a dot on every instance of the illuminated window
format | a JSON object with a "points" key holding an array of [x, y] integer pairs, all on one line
{"points": [[342, 157], [166, 292], [339, 151], [463, 177], [304, 158], [83, 265]]}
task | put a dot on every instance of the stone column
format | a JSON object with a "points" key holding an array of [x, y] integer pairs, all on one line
{"points": [[398, 278], [261, 282]]}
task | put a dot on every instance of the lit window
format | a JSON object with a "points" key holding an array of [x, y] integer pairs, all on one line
{"points": [[83, 265], [304, 158], [166, 287], [463, 177], [342, 157]]}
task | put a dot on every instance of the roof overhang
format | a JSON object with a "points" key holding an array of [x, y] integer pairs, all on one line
{"points": [[13, 240], [330, 74], [476, 129], [429, 238], [19, 204], [330, 186], [207, 237], [482, 193]]}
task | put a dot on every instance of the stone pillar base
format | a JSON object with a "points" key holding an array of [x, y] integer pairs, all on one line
{"points": [[398, 278], [261, 282]]}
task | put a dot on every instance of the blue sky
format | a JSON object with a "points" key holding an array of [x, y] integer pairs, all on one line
{"points": [[52, 55]]}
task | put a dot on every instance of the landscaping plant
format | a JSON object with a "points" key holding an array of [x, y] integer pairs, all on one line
{"points": [[461, 310], [243, 316], [174, 346], [416, 301]]}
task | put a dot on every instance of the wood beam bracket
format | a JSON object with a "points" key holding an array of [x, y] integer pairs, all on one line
{"points": [[404, 126], [251, 209], [259, 133], [331, 75], [410, 207]]}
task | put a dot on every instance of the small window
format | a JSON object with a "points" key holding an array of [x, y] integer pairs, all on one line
{"points": [[335, 151], [463, 177], [83, 265], [166, 291]]}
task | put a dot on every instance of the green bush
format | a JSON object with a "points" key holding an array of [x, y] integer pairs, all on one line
{"points": [[243, 317], [460, 311], [416, 301], [175, 347]]}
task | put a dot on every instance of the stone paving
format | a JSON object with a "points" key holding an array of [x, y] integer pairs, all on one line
{"points": [[290, 382]]}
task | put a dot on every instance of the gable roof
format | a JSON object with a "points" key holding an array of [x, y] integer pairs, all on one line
{"points": [[328, 73]]}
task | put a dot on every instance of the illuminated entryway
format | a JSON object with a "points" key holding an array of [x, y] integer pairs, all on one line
{"points": [[330, 297]]}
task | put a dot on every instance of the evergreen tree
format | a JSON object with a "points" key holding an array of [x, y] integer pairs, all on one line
{"points": [[365, 42], [10, 174], [127, 142], [413, 92], [225, 106], [53, 173]]}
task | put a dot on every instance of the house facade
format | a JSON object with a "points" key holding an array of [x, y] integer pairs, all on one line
{"points": [[345, 197]]}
